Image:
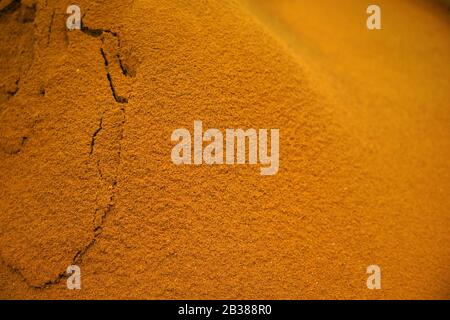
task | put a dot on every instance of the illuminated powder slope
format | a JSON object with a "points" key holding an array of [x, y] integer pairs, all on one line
{"points": [[86, 176]]}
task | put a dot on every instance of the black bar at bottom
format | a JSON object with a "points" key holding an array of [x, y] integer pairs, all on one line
{"points": [[224, 309]]}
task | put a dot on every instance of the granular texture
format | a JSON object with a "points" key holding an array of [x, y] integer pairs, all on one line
{"points": [[86, 177]]}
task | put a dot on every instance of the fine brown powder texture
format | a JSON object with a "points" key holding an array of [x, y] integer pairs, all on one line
{"points": [[86, 176]]}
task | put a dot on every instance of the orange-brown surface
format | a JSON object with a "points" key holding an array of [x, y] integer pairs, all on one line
{"points": [[86, 176]]}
